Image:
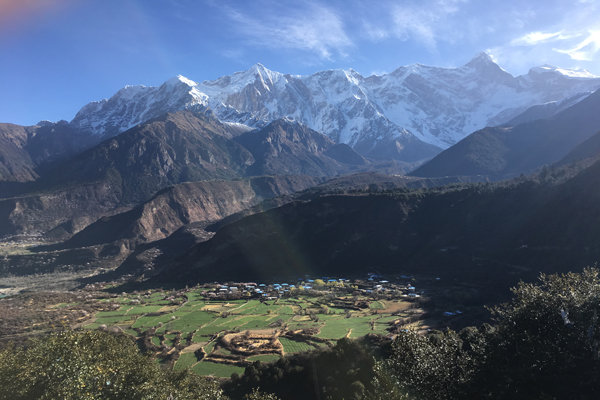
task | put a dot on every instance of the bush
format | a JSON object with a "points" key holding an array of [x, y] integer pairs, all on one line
{"points": [[92, 365], [545, 345]]}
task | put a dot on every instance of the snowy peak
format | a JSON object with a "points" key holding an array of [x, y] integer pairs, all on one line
{"points": [[482, 58], [417, 104], [482, 63], [134, 105], [178, 80], [129, 92], [569, 73]]}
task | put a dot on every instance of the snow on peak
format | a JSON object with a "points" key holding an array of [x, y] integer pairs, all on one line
{"points": [[180, 79], [129, 91], [570, 73], [482, 55], [439, 106], [258, 67], [481, 59]]}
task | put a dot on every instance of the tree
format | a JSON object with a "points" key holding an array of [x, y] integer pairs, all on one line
{"points": [[93, 365], [546, 340], [258, 395], [545, 345], [427, 367]]}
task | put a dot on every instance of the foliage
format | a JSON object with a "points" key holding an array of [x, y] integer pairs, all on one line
{"points": [[93, 365], [430, 367], [544, 346], [342, 372], [258, 395], [547, 339]]}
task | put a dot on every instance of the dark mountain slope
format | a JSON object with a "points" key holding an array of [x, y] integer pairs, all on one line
{"points": [[289, 148], [183, 204], [15, 162], [508, 151], [475, 232], [347, 184], [72, 209], [547, 110], [589, 148], [26, 152], [130, 168], [174, 148]]}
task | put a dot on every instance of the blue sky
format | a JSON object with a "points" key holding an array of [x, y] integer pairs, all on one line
{"points": [[58, 55]]}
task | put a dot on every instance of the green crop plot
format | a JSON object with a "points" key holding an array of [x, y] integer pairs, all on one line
{"points": [[202, 333], [121, 311], [364, 329], [338, 327], [264, 309], [114, 320], [376, 305], [186, 360], [224, 351], [248, 308], [207, 368], [143, 310], [132, 332], [387, 319], [264, 358], [170, 339], [209, 347], [292, 346], [191, 321], [194, 295], [285, 310], [151, 322], [303, 325]]}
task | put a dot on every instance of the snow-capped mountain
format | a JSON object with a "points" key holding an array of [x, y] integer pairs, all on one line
{"points": [[408, 114]]}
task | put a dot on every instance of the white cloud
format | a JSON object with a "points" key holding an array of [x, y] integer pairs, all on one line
{"points": [[561, 34], [534, 38], [425, 22], [586, 50], [314, 28], [417, 23]]}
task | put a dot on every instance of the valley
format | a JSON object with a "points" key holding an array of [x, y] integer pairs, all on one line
{"points": [[240, 229], [218, 332]]}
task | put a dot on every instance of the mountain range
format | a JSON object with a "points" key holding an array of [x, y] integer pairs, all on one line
{"points": [[506, 151], [409, 114], [305, 161], [482, 233], [129, 169]]}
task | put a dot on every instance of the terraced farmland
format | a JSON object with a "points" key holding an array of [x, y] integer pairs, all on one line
{"points": [[189, 330]]}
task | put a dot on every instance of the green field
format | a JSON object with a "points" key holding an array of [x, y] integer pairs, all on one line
{"points": [[265, 358], [193, 315], [292, 346], [376, 305], [209, 347], [207, 368], [185, 360]]}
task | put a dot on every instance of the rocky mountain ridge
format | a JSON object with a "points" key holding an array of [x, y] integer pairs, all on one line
{"points": [[476, 232], [506, 151], [128, 169], [415, 110]]}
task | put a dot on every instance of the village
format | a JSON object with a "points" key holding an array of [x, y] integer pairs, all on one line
{"points": [[220, 328], [373, 285]]}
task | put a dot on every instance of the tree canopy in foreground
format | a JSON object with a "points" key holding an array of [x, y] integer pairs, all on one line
{"points": [[93, 365], [544, 346]]}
